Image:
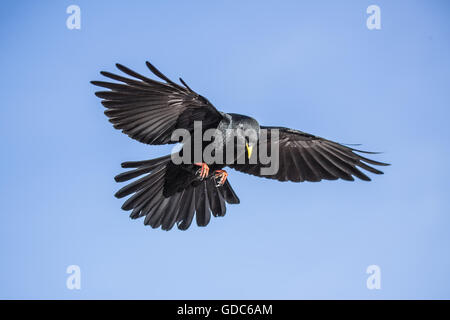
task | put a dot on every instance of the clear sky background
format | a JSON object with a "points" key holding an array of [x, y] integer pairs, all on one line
{"points": [[312, 66]]}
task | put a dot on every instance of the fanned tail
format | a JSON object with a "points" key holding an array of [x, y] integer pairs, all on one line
{"points": [[165, 205]]}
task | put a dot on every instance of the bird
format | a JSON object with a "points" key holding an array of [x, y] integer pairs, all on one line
{"points": [[167, 193]]}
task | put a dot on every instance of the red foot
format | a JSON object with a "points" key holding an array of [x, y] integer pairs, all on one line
{"points": [[222, 176], [203, 171]]}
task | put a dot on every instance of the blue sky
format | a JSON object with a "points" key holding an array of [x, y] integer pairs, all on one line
{"points": [[312, 66]]}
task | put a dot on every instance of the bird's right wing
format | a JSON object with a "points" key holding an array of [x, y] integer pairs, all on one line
{"points": [[305, 157], [149, 111]]}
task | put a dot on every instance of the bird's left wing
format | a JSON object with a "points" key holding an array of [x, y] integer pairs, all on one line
{"points": [[305, 157], [149, 111]]}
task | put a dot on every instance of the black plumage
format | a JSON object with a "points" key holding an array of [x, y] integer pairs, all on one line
{"points": [[165, 193]]}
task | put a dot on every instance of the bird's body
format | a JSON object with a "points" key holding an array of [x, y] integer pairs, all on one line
{"points": [[171, 192]]}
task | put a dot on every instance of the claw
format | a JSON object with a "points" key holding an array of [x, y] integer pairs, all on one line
{"points": [[203, 172], [222, 176]]}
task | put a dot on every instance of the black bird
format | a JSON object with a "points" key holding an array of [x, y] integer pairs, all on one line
{"points": [[167, 194]]}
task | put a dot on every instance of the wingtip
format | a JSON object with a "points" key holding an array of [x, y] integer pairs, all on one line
{"points": [[366, 152], [121, 67], [384, 164], [351, 144], [185, 84], [150, 66], [95, 83]]}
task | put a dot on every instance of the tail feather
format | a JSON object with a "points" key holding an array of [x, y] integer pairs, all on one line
{"points": [[149, 196], [186, 213], [201, 205], [228, 193], [145, 195], [172, 211], [151, 162], [156, 217], [216, 200], [128, 175], [150, 204], [141, 183]]}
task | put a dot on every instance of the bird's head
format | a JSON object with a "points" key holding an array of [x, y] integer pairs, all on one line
{"points": [[247, 131]]}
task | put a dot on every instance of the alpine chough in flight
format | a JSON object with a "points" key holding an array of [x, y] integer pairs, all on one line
{"points": [[151, 111]]}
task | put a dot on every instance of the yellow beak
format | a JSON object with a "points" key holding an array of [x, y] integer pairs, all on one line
{"points": [[249, 150]]}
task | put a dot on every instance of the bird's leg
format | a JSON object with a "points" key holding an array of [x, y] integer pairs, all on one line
{"points": [[221, 177], [203, 171]]}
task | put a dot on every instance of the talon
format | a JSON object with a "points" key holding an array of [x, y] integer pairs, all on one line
{"points": [[222, 176], [203, 171]]}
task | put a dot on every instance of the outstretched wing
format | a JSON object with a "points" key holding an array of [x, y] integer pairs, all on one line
{"points": [[305, 157], [148, 110]]}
